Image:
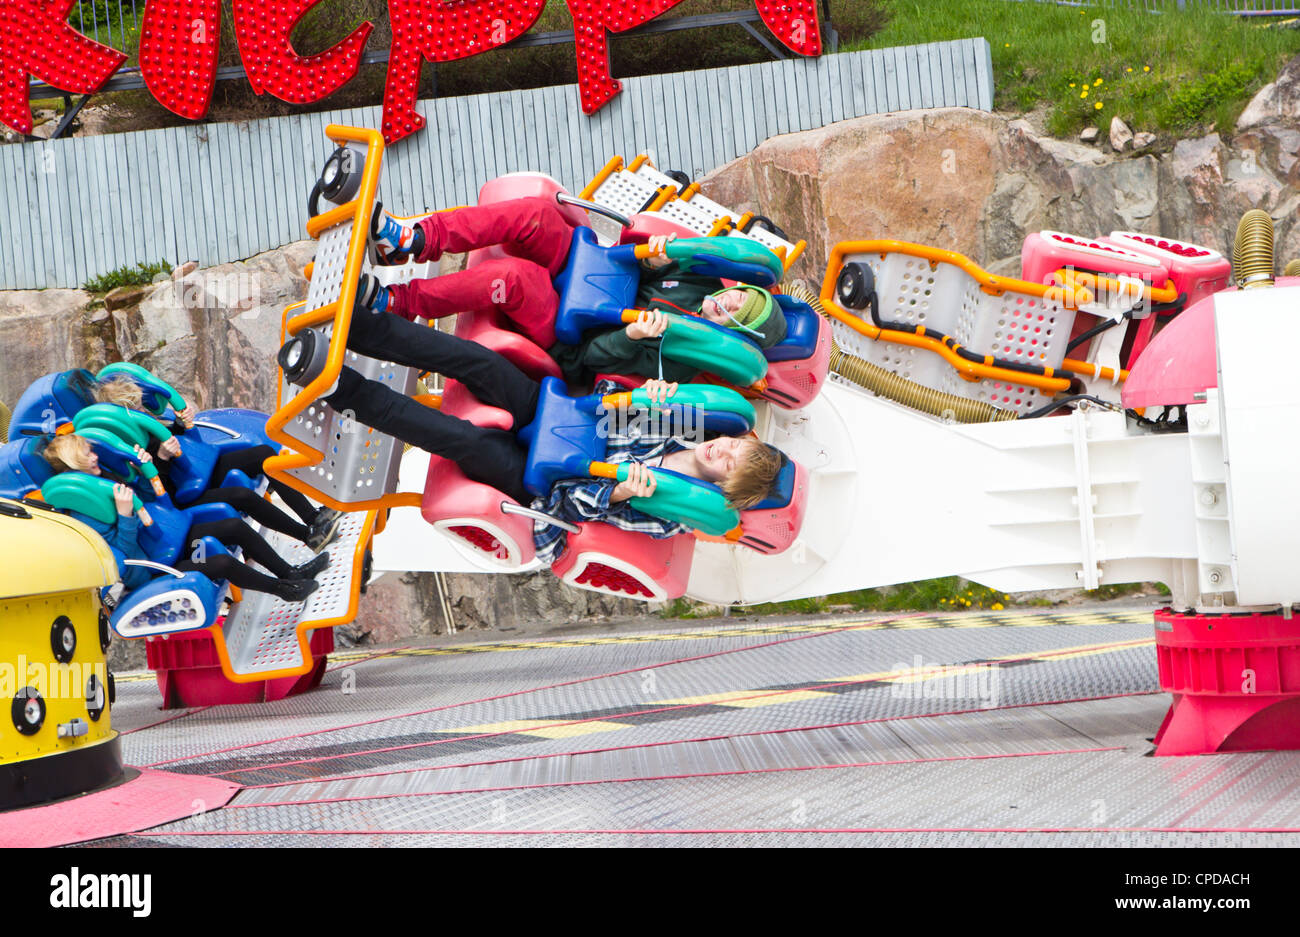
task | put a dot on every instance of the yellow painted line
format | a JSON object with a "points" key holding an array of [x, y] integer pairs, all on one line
{"points": [[748, 699], [550, 730], [913, 674], [971, 620]]}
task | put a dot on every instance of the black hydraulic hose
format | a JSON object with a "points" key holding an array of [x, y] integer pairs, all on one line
{"points": [[1157, 309], [1097, 330], [1058, 404]]}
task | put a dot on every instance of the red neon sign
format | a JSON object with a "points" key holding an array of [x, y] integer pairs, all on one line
{"points": [[179, 39]]}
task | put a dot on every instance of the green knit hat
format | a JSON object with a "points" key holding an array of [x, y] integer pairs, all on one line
{"points": [[754, 312]]}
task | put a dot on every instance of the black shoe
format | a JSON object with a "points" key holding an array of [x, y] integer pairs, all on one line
{"points": [[367, 291], [296, 590], [325, 529], [309, 569]]}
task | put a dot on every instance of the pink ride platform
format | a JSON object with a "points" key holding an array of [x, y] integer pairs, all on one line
{"points": [[149, 799], [1235, 681]]}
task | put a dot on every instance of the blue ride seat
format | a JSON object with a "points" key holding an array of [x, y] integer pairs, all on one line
{"points": [[782, 489], [148, 609], [595, 286], [598, 283], [801, 330], [22, 467], [52, 400], [568, 434], [57, 398]]}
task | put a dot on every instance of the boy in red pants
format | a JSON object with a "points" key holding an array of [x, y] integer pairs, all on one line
{"points": [[538, 236]]}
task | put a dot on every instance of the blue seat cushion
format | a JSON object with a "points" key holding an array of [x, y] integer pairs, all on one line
{"points": [[562, 439], [596, 285], [22, 468], [801, 327], [51, 400], [782, 490]]}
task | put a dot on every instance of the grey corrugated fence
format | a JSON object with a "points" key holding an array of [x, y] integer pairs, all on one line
{"points": [[75, 208]]}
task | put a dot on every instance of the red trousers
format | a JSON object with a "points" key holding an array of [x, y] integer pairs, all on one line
{"points": [[530, 229]]}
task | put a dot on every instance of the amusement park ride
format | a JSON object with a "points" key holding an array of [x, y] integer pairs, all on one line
{"points": [[1115, 414]]}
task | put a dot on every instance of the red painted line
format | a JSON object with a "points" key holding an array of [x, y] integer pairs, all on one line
{"points": [[553, 686], [204, 708], [705, 738], [761, 694], [728, 832], [672, 777], [172, 718]]}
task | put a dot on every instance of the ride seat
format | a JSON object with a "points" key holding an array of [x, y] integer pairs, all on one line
{"points": [[22, 467], [799, 365], [468, 511], [490, 329], [51, 400], [595, 286], [773, 525]]}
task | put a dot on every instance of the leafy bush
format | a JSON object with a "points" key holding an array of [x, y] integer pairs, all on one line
{"points": [[139, 275]]}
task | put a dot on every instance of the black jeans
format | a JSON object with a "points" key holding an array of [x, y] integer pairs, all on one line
{"points": [[249, 461], [233, 532], [491, 456]]}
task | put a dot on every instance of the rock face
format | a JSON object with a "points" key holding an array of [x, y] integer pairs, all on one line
{"points": [[977, 183], [1276, 102]]}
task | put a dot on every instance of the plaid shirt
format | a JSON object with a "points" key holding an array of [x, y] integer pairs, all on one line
{"points": [[581, 500]]}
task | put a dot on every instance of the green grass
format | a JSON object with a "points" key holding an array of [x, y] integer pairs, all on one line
{"points": [[950, 593], [1177, 72], [139, 275]]}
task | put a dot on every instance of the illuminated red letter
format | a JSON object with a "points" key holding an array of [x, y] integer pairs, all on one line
{"points": [[262, 29], [591, 18], [178, 53], [794, 22], [441, 31], [35, 39]]}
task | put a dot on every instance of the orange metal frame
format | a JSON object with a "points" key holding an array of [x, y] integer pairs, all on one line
{"points": [[299, 454], [1069, 295], [368, 530]]}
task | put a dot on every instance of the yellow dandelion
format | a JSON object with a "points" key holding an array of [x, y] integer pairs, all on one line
{"points": [[1006, 45], [996, 606], [1097, 106], [1129, 69], [1083, 93], [1097, 83], [1071, 84], [1146, 68]]}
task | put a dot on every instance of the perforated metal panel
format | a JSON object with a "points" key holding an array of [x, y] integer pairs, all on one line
{"points": [[624, 192], [261, 631], [653, 176], [1014, 326], [686, 215], [359, 463]]}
